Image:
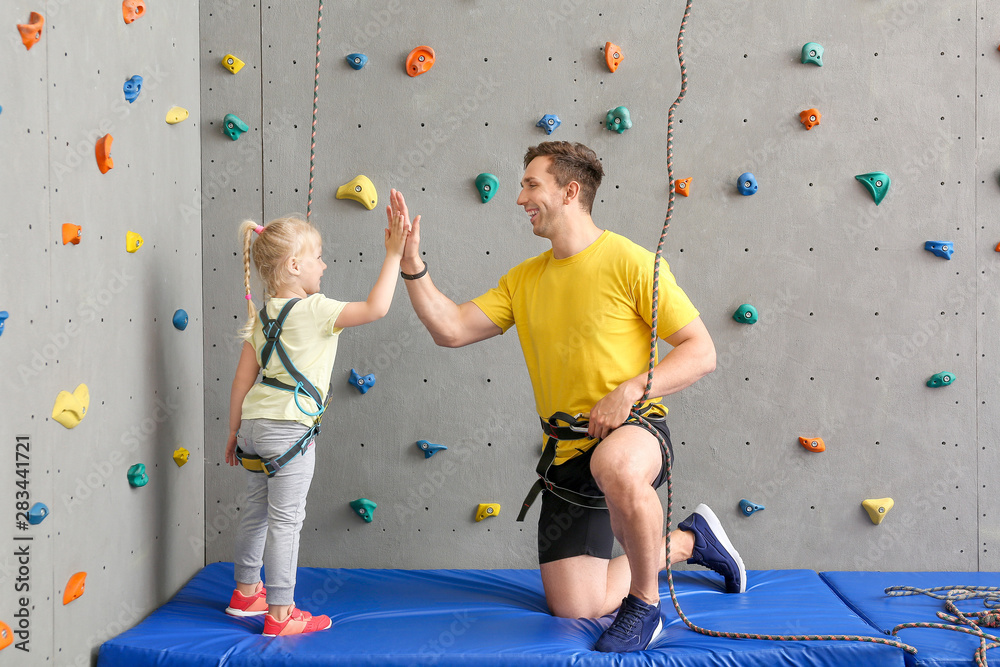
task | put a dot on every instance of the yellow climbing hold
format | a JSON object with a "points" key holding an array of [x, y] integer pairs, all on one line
{"points": [[232, 63], [71, 408], [487, 510], [132, 241], [361, 190], [181, 456], [877, 508], [176, 115]]}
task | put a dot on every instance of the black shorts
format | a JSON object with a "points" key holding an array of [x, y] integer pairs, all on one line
{"points": [[566, 530]]}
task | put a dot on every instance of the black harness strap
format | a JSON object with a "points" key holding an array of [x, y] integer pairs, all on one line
{"points": [[254, 463], [576, 430]]}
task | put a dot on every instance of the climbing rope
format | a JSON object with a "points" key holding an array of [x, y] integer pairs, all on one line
{"points": [[958, 620], [312, 146], [649, 384]]}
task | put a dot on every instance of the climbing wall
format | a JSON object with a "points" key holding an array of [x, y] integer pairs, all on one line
{"points": [[855, 316], [93, 314]]}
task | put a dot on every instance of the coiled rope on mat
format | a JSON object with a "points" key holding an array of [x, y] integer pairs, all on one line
{"points": [[312, 146], [649, 384], [970, 622]]}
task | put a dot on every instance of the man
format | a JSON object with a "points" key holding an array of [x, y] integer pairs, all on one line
{"points": [[583, 312]]}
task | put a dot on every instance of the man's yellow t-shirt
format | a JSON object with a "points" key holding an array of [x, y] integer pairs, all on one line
{"points": [[584, 322], [310, 337]]}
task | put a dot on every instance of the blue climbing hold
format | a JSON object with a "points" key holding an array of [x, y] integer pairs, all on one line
{"points": [[361, 382], [549, 123], [132, 88], [364, 508], [37, 513], [747, 184], [941, 379], [428, 448], [181, 319], [940, 248], [3, 318], [357, 60], [747, 508]]}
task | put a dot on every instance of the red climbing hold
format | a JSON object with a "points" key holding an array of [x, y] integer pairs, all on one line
{"points": [[31, 31]]}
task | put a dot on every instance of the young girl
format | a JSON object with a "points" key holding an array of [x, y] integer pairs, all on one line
{"points": [[272, 423]]}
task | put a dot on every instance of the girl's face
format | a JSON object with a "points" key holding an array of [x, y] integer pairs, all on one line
{"points": [[311, 265]]}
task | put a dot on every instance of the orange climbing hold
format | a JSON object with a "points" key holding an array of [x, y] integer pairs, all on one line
{"points": [[71, 233], [682, 186], [420, 60], [74, 588], [6, 636], [813, 444], [132, 9], [810, 118], [998, 245], [31, 31], [103, 152], [613, 56]]}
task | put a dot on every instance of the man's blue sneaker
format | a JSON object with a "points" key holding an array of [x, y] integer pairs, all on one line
{"points": [[713, 549], [635, 626]]}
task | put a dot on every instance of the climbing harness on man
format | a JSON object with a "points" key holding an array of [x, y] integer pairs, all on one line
{"points": [[302, 388]]}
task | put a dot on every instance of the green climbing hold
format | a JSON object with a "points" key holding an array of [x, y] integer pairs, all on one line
{"points": [[364, 508], [137, 475], [618, 120], [941, 379], [812, 53], [746, 314], [877, 183], [487, 185]]}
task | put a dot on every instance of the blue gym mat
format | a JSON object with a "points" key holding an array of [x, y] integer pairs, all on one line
{"points": [[491, 617], [864, 592]]}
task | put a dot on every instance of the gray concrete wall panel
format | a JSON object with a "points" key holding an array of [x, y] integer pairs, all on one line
{"points": [[95, 314], [855, 314]]}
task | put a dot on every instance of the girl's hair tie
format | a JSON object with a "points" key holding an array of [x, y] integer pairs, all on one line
{"points": [[247, 297], [259, 229]]}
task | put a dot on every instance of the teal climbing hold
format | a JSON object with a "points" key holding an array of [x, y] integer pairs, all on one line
{"points": [[137, 475], [877, 183], [487, 184], [233, 126], [618, 120], [812, 53], [746, 314], [364, 508], [747, 508], [941, 379]]}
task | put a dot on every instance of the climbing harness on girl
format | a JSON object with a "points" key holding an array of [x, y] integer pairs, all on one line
{"points": [[302, 388]]}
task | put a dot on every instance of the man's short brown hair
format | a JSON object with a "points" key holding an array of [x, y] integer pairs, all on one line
{"points": [[571, 162]]}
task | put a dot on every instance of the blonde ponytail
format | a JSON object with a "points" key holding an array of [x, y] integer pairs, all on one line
{"points": [[247, 230]]}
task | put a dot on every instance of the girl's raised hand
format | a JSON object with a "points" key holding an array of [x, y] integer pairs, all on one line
{"points": [[395, 235]]}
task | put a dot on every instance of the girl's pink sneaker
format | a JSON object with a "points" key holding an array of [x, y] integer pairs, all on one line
{"points": [[298, 622], [248, 605]]}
